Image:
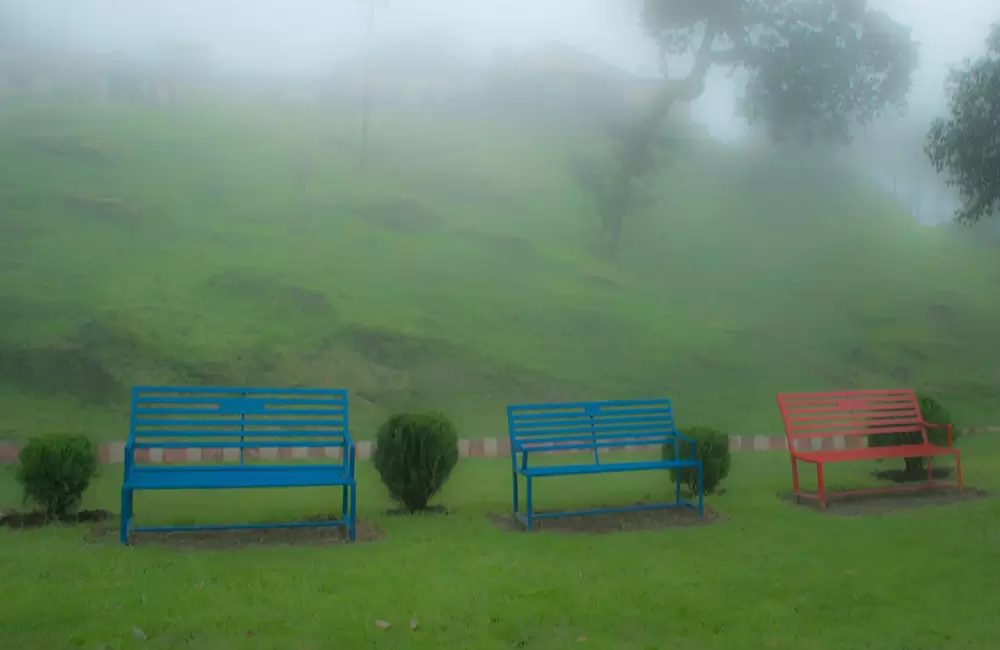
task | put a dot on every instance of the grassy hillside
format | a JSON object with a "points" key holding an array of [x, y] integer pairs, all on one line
{"points": [[242, 246]]}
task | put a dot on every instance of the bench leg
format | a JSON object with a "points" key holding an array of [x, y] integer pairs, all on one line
{"points": [[514, 475], [701, 491], [343, 502], [795, 479], [820, 486], [529, 504], [354, 513], [126, 516]]}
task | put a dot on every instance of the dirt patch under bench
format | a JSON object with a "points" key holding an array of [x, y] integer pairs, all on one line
{"points": [[854, 505], [196, 540], [615, 522], [902, 476], [38, 519]]}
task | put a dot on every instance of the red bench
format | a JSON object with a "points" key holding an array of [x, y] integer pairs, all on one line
{"points": [[826, 416]]}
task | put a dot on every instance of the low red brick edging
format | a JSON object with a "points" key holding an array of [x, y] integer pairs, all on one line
{"points": [[114, 452]]}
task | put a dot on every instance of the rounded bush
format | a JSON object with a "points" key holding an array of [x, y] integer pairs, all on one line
{"points": [[415, 454], [712, 448], [934, 413], [55, 471]]}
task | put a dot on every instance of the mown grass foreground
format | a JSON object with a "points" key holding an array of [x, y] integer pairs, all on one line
{"points": [[241, 245], [769, 576]]}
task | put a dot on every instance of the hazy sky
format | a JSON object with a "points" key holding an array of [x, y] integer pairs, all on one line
{"points": [[307, 35]]}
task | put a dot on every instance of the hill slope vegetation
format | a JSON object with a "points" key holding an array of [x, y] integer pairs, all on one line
{"points": [[242, 246]]}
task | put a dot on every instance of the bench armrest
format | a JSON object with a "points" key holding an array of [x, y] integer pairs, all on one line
{"points": [[350, 456], [931, 425], [693, 444]]}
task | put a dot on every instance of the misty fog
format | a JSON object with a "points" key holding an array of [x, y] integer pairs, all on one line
{"points": [[309, 38]]}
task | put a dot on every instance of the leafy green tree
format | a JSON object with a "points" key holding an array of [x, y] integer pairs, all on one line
{"points": [[814, 68], [966, 144]]}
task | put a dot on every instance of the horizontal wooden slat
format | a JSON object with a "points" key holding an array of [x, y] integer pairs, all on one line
{"points": [[640, 421], [850, 413], [566, 406], [275, 412], [236, 433], [279, 414], [604, 421], [225, 444], [854, 423], [594, 431], [547, 415], [260, 422], [560, 436]]}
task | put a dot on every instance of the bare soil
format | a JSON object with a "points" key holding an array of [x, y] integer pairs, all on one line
{"points": [[902, 476], [612, 522], [366, 532], [38, 519], [877, 504], [429, 510]]}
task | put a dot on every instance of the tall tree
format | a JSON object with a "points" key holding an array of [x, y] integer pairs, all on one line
{"points": [[814, 68], [966, 145]]}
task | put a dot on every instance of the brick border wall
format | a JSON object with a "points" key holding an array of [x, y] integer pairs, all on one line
{"points": [[114, 452]]}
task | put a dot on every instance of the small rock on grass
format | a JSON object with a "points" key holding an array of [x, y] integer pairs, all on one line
{"points": [[383, 625], [139, 634], [414, 624]]}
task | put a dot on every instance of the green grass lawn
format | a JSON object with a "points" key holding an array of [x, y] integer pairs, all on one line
{"points": [[241, 245], [769, 576]]}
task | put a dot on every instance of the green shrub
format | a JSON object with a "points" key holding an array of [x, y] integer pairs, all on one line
{"points": [[712, 448], [55, 471], [934, 413], [415, 455]]}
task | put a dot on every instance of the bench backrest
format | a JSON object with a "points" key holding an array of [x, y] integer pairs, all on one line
{"points": [[590, 425], [238, 418], [850, 413]]}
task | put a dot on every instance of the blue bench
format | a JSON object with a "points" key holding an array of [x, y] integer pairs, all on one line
{"points": [[233, 420], [593, 427]]}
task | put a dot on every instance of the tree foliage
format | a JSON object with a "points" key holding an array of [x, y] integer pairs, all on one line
{"points": [[55, 471], [814, 69], [622, 186], [966, 144], [415, 454]]}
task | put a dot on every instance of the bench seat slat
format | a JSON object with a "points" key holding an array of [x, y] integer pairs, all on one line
{"points": [[874, 453], [246, 476], [236, 433], [219, 422], [567, 470]]}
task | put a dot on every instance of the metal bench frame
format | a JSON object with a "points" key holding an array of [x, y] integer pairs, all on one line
{"points": [[858, 413], [265, 420], [594, 426]]}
